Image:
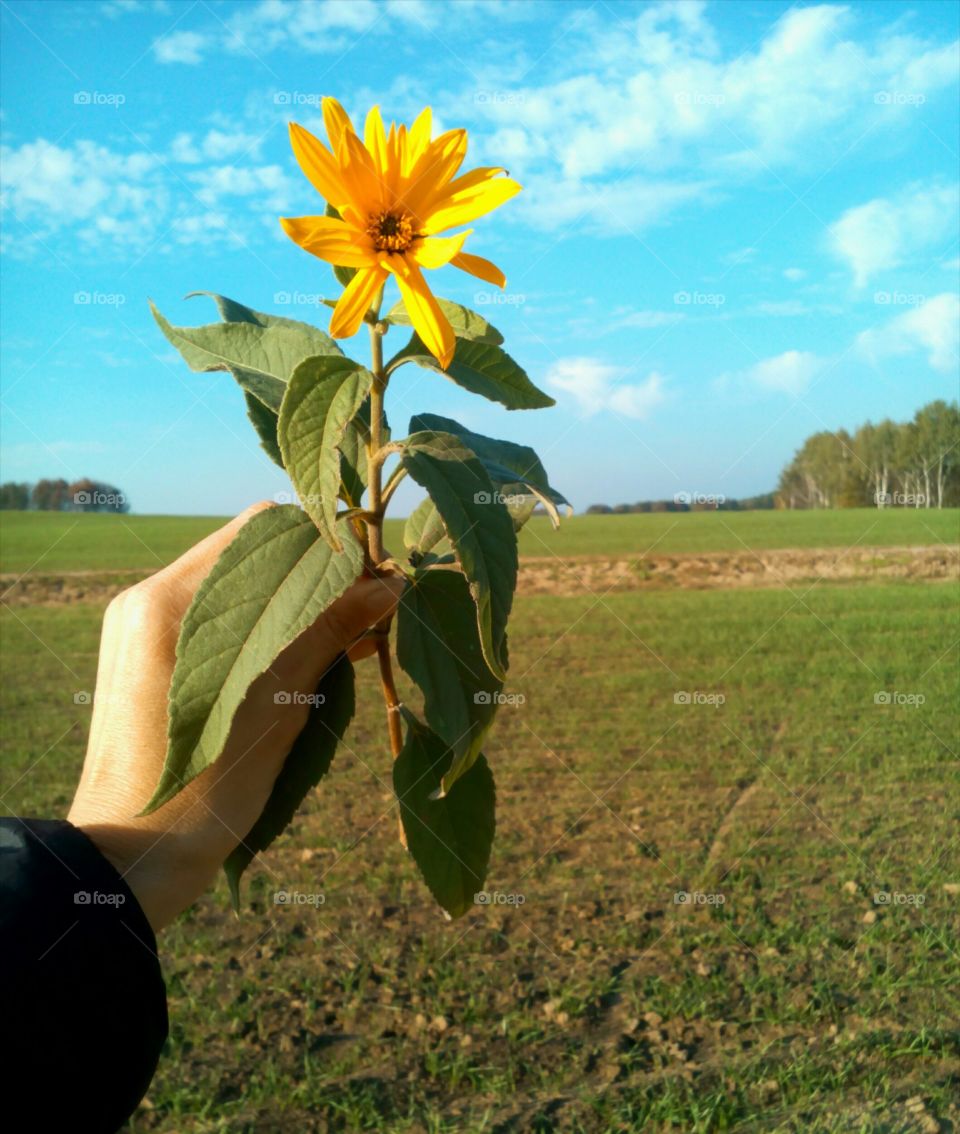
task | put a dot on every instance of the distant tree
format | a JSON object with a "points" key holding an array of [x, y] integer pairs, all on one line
{"points": [[938, 442], [88, 495], [14, 497], [50, 495], [599, 510]]}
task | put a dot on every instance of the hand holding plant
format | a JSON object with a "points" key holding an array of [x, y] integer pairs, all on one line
{"points": [[321, 416]]}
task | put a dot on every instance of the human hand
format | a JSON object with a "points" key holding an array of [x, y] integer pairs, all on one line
{"points": [[168, 858]]}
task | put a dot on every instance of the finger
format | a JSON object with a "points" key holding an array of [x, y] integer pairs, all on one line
{"points": [[366, 603]]}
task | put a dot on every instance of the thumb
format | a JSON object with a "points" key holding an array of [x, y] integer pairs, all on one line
{"points": [[367, 602]]}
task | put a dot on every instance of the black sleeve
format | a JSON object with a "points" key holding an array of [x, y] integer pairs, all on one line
{"points": [[83, 1006]]}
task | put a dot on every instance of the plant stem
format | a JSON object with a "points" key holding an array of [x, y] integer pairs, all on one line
{"points": [[375, 534]]}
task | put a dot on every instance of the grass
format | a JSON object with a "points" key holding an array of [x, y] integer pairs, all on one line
{"points": [[601, 1003], [50, 542]]}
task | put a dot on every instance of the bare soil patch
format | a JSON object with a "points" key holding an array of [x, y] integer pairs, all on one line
{"points": [[574, 575]]}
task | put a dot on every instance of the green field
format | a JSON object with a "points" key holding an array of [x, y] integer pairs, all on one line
{"points": [[797, 1003], [50, 542]]}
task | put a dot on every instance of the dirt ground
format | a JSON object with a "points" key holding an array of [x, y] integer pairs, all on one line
{"points": [[574, 575]]}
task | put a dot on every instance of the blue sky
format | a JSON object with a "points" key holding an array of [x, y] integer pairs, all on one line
{"points": [[738, 225]]}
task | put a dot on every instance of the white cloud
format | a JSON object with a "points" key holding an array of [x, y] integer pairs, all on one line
{"points": [[933, 327], [794, 275], [181, 47], [127, 201], [887, 232], [596, 386], [787, 373]]}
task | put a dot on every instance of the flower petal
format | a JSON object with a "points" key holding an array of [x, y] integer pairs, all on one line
{"points": [[479, 267], [367, 190], [419, 137], [331, 240], [318, 166], [375, 139], [355, 302], [337, 122], [463, 205], [436, 251], [435, 167], [428, 320]]}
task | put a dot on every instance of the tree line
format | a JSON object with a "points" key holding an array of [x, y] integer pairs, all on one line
{"points": [[84, 495], [911, 464]]}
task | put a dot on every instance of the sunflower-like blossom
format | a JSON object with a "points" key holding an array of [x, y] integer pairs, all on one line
{"points": [[394, 192]]}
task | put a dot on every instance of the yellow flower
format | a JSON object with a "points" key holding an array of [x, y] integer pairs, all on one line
{"points": [[394, 192]]}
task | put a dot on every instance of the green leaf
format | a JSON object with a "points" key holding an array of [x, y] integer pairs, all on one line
{"points": [[449, 838], [260, 353], [424, 528], [478, 525], [264, 421], [344, 275], [306, 764], [466, 324], [273, 581], [515, 470], [323, 396], [481, 368], [439, 647]]}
